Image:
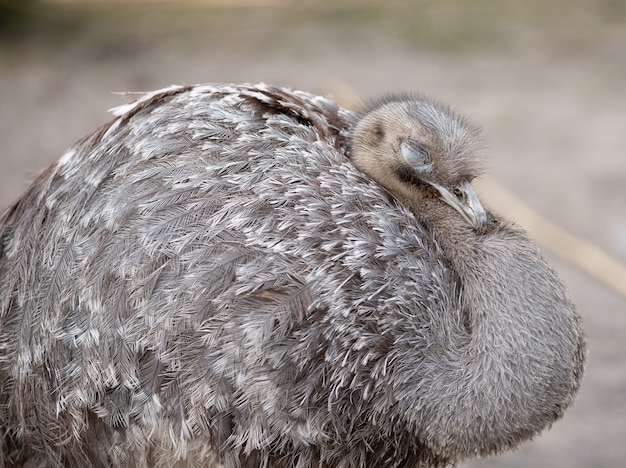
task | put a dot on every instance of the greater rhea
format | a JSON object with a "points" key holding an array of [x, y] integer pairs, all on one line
{"points": [[248, 276]]}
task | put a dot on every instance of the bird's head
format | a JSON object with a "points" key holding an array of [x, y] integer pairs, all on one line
{"points": [[417, 148]]}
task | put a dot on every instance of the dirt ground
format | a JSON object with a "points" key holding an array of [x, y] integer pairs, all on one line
{"points": [[548, 89]]}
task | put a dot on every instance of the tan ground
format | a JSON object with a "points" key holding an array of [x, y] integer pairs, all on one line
{"points": [[546, 82]]}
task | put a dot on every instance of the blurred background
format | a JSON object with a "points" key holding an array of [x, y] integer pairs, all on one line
{"points": [[545, 79]]}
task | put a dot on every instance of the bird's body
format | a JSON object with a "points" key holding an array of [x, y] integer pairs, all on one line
{"points": [[208, 280]]}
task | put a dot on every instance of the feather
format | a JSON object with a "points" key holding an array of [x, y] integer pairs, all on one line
{"points": [[212, 279]]}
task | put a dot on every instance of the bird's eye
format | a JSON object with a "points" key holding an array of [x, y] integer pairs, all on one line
{"points": [[415, 154]]}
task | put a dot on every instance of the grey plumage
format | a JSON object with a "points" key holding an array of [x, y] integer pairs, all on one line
{"points": [[249, 276]]}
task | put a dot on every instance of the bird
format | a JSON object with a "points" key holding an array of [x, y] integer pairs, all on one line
{"points": [[251, 276]]}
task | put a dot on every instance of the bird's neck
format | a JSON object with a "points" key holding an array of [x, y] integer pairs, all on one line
{"points": [[453, 234], [523, 351]]}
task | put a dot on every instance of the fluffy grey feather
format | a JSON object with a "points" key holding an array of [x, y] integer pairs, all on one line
{"points": [[207, 280]]}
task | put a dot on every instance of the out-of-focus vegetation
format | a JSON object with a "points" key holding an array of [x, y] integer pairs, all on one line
{"points": [[16, 16], [450, 25]]}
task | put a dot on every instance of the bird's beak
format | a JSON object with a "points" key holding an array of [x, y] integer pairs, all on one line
{"points": [[466, 203]]}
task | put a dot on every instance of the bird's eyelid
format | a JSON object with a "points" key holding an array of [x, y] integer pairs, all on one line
{"points": [[415, 154]]}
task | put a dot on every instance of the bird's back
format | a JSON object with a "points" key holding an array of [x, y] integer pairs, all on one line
{"points": [[192, 275]]}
